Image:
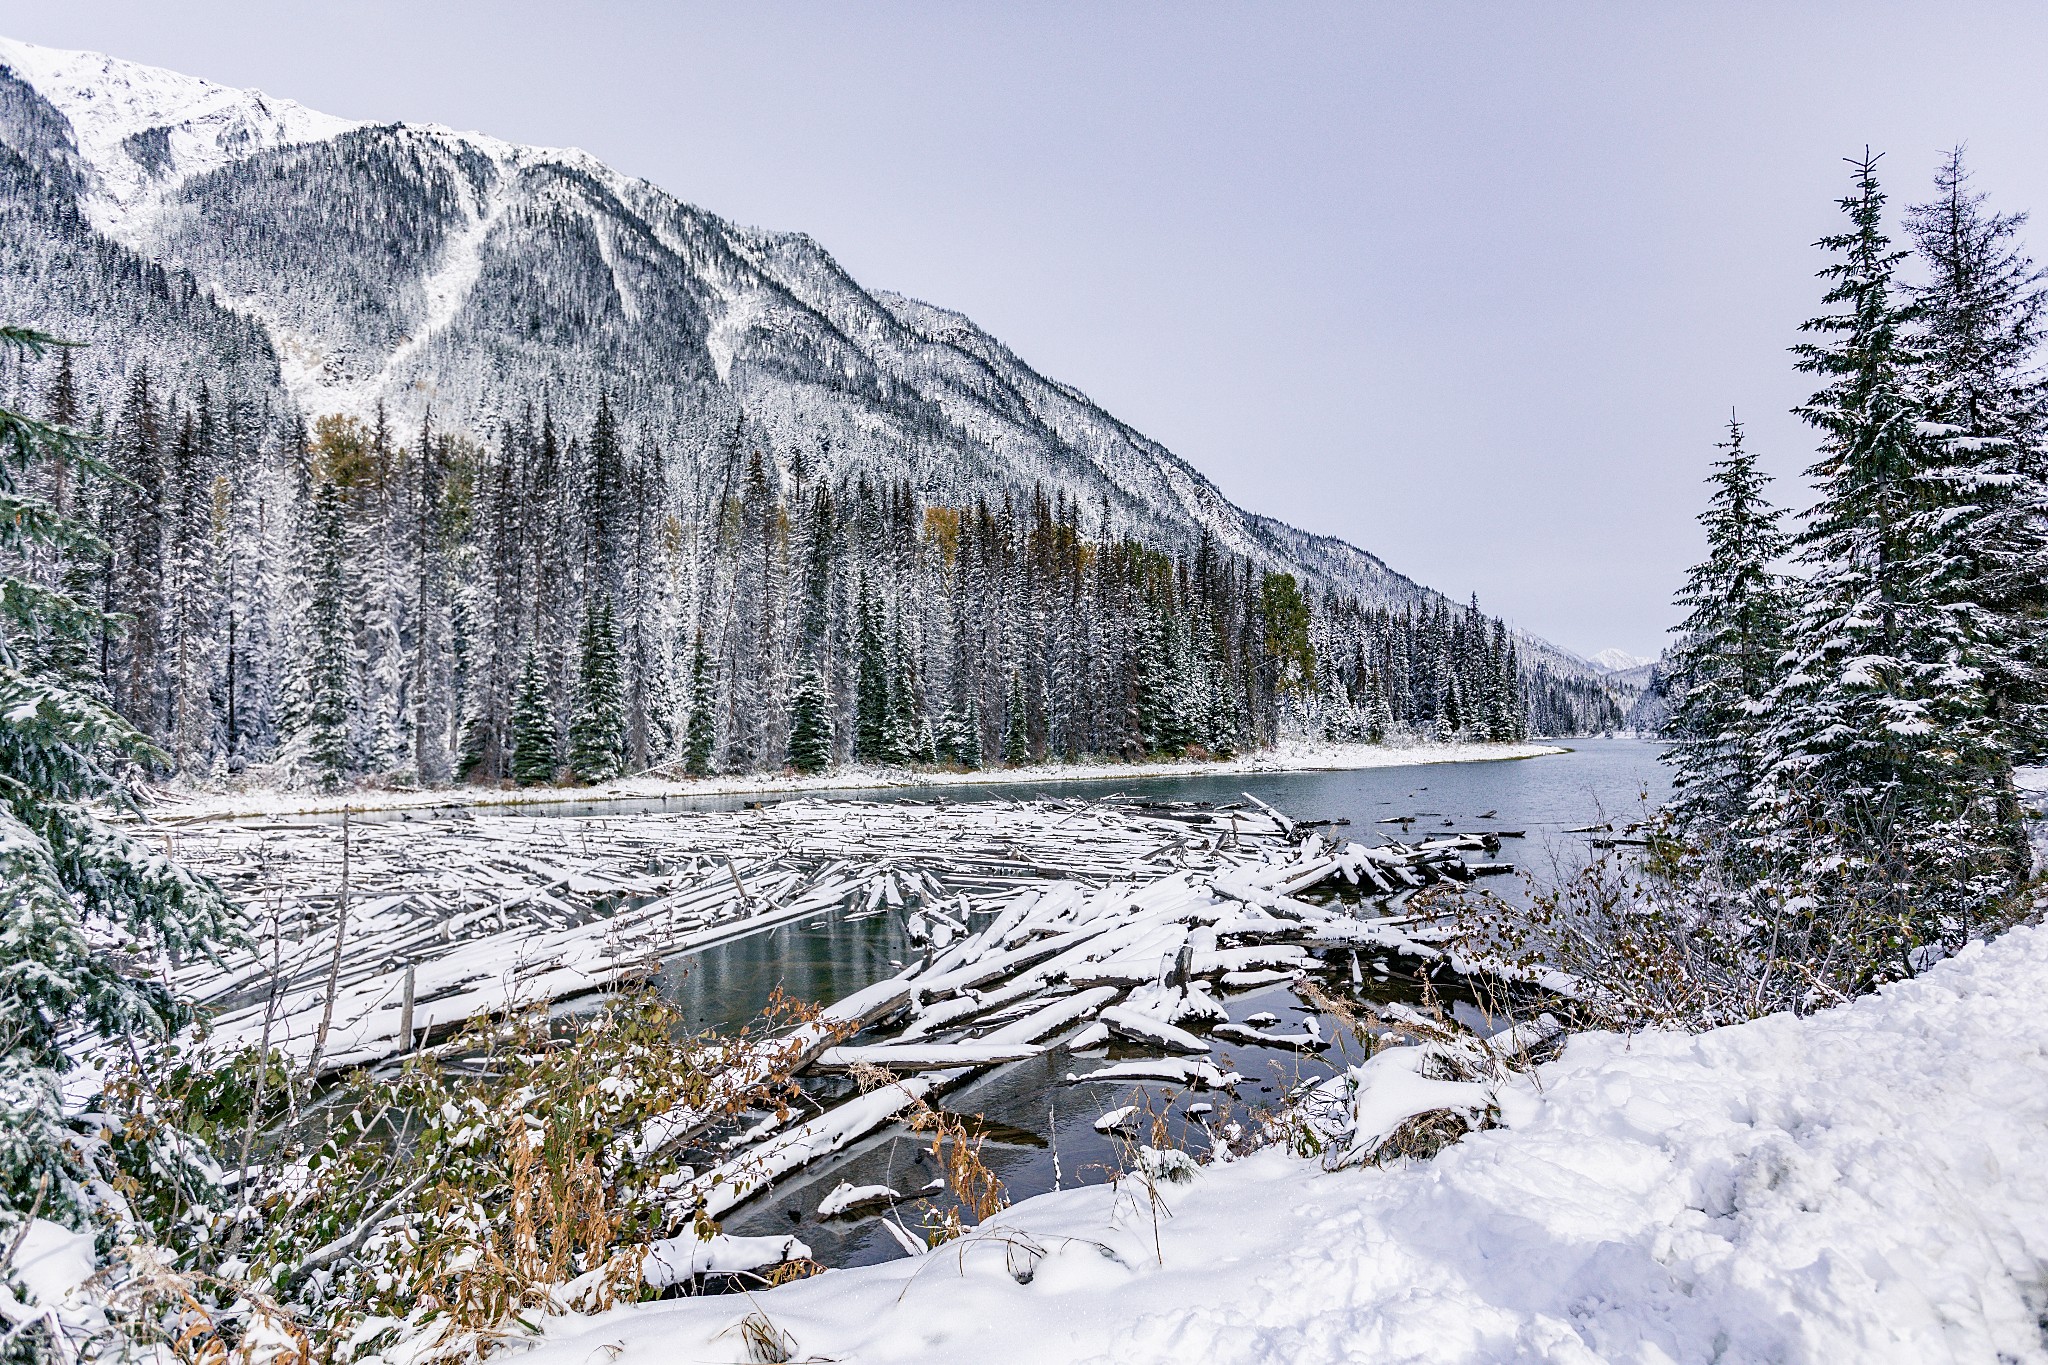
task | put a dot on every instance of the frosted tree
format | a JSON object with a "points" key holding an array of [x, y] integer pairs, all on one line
{"points": [[132, 525], [1379, 716], [597, 733], [1017, 734], [430, 691], [328, 665], [810, 722], [958, 742], [1880, 793], [871, 743], [89, 920], [193, 507], [1725, 660], [533, 726], [1981, 316], [700, 734]]}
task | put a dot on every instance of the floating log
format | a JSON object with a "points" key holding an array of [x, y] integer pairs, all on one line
{"points": [[923, 1056], [1043, 919]]}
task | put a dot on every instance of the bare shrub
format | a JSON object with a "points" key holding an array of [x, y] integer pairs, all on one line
{"points": [[461, 1199]]}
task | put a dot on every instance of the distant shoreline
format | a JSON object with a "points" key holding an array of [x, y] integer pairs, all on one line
{"points": [[181, 807]]}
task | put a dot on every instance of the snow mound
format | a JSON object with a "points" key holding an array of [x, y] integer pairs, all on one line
{"points": [[1867, 1184]]}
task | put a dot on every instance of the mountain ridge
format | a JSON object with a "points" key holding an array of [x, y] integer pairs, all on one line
{"points": [[414, 266]]}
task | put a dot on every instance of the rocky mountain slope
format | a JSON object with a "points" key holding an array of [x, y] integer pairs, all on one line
{"points": [[347, 265]]}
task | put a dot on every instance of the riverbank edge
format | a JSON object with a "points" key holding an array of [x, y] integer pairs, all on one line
{"points": [[183, 807]]}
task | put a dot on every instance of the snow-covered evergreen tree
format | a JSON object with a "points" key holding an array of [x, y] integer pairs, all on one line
{"points": [[958, 741], [1725, 660], [597, 734], [810, 722], [1981, 316], [1883, 783], [89, 920], [872, 713], [533, 726], [700, 736], [328, 667], [1017, 731]]}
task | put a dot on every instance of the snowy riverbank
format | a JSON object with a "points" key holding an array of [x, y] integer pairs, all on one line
{"points": [[1864, 1184], [182, 805]]}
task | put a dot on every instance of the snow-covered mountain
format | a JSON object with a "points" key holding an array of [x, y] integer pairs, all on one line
{"points": [[1619, 661], [344, 265]]}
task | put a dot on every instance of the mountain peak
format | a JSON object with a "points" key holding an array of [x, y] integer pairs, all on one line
{"points": [[1619, 660], [141, 129]]}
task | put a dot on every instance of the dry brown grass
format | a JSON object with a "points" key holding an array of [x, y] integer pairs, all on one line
{"points": [[977, 1191]]}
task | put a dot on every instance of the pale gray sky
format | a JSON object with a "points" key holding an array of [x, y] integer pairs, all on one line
{"points": [[1472, 286]]}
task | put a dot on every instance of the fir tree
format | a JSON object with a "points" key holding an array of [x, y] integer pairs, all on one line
{"points": [[1725, 661], [88, 919], [906, 737], [1379, 717], [1882, 789], [871, 740], [700, 736], [533, 727], [959, 737], [1017, 736], [132, 516], [1981, 314], [329, 667], [597, 734], [810, 722]]}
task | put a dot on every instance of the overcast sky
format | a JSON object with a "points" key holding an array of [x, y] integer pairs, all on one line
{"points": [[1471, 286]]}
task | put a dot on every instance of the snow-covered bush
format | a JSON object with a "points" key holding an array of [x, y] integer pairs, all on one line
{"points": [[1689, 936]]}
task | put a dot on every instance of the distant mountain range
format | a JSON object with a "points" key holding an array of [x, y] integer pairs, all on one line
{"points": [[338, 265], [1619, 661]]}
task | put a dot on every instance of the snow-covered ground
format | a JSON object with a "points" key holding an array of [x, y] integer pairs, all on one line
{"points": [[1868, 1184], [1282, 758]]}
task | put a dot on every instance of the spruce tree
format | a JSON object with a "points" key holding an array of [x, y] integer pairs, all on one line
{"points": [[700, 734], [1017, 735], [1981, 316], [132, 524], [871, 739], [959, 736], [329, 663], [597, 733], [1725, 661], [89, 920], [533, 727], [810, 722], [1378, 716], [1882, 786], [906, 735]]}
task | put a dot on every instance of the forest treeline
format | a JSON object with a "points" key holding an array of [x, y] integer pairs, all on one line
{"points": [[337, 600]]}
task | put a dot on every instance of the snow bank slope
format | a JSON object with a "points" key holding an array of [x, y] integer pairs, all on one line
{"points": [[1866, 1185]]}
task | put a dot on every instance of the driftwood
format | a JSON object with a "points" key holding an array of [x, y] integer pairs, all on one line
{"points": [[1041, 921]]}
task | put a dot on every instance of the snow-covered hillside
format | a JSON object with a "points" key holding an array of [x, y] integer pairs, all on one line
{"points": [[206, 230], [1620, 661], [1859, 1185]]}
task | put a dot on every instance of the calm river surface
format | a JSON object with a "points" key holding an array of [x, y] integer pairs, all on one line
{"points": [[1038, 1129]]}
